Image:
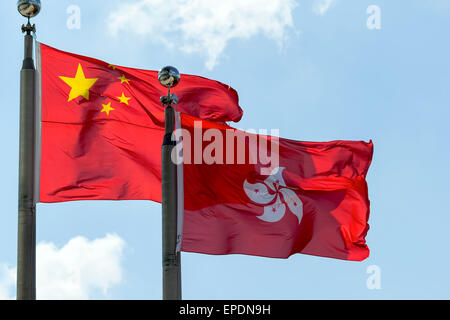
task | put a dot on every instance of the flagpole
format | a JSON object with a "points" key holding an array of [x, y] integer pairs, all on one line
{"points": [[26, 233], [171, 258]]}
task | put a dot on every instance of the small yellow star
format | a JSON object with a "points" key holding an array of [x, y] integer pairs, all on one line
{"points": [[112, 66], [79, 85], [123, 99], [123, 79], [107, 108]]}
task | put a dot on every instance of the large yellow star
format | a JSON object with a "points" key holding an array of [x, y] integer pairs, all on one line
{"points": [[123, 79], [123, 99], [107, 108], [79, 85]]}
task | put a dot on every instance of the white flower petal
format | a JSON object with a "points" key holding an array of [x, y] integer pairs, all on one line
{"points": [[276, 178], [258, 192], [274, 212], [293, 201]]}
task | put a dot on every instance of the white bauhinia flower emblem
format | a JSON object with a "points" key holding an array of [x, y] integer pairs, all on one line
{"points": [[275, 201]]}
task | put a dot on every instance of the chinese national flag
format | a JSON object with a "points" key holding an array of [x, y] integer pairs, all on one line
{"points": [[102, 126], [312, 200]]}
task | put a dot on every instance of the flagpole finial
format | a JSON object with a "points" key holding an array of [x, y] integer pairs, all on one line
{"points": [[29, 8], [169, 77]]}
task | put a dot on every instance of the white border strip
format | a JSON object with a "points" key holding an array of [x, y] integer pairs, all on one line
{"points": [[38, 122], [180, 188]]}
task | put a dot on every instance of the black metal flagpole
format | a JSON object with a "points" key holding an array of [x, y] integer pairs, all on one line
{"points": [[26, 240], [171, 258]]}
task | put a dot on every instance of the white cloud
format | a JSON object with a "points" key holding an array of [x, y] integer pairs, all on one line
{"points": [[7, 281], [78, 270], [204, 26], [320, 7]]}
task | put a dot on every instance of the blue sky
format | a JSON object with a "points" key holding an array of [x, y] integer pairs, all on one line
{"points": [[310, 68]]}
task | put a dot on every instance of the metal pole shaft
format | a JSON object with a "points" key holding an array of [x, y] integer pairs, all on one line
{"points": [[26, 242], [171, 260]]}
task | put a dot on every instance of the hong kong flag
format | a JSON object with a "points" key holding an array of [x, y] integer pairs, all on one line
{"points": [[101, 126], [279, 198]]}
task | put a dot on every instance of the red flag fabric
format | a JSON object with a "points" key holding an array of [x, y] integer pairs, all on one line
{"points": [[102, 126], [311, 199]]}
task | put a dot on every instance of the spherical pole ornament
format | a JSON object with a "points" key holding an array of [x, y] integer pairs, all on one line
{"points": [[29, 8], [169, 77]]}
